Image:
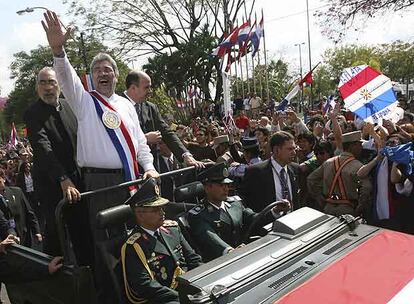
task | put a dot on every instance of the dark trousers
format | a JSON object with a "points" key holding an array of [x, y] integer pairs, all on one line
{"points": [[77, 221], [96, 203]]}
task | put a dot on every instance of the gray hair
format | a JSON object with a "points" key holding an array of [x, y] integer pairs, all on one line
{"points": [[104, 57], [44, 70]]}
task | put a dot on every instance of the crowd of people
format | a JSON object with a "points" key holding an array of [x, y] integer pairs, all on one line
{"points": [[331, 162]]}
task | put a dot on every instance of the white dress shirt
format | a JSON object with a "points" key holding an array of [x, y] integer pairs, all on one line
{"points": [[94, 147], [278, 187]]}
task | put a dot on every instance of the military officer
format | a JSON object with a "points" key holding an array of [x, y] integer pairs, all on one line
{"points": [[156, 251], [336, 186], [218, 225]]}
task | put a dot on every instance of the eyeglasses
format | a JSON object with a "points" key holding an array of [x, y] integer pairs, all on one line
{"points": [[199, 134], [51, 82]]}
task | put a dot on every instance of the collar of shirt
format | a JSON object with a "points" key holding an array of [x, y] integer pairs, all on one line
{"points": [[150, 232], [222, 206], [277, 166], [129, 98]]}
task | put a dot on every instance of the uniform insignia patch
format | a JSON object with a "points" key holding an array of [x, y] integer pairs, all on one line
{"points": [[196, 210]]}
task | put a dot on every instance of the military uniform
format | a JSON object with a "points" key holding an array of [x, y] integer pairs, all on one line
{"points": [[358, 190], [152, 260], [215, 231]]}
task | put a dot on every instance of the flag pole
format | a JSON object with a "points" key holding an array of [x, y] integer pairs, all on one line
{"points": [[247, 63], [265, 60], [241, 76]]}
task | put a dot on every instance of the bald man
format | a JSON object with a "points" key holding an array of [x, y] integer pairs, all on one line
{"points": [[138, 90]]}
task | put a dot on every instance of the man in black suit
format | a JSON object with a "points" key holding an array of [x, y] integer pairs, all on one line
{"points": [[138, 85], [21, 220], [274, 179], [51, 129]]}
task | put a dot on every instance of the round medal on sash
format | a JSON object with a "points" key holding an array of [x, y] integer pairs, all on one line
{"points": [[111, 119]]}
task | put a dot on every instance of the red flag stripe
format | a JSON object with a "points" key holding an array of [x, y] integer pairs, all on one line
{"points": [[358, 81]]}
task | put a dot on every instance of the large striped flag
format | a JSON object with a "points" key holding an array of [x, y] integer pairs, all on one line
{"points": [[257, 35], [368, 94], [228, 42]]}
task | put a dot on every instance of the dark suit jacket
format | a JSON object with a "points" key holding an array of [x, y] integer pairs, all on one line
{"points": [[152, 120], [258, 187], [168, 183], [53, 153], [161, 258], [25, 218], [5, 228]]}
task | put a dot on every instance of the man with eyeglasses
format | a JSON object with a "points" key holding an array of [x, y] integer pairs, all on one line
{"points": [[51, 129], [156, 251], [201, 149]]}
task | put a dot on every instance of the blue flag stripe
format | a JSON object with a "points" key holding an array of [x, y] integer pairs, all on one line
{"points": [[381, 102]]}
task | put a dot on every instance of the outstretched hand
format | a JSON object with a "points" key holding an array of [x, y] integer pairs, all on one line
{"points": [[55, 32]]}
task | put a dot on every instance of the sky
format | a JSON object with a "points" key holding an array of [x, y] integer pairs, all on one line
{"points": [[285, 26]]}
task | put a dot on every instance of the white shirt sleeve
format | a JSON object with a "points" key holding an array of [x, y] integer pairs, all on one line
{"points": [[405, 189], [70, 85]]}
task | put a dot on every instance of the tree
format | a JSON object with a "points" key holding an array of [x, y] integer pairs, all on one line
{"points": [[25, 67], [340, 15], [183, 31]]}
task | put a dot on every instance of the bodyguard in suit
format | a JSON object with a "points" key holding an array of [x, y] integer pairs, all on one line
{"points": [[138, 89], [156, 251], [274, 179], [51, 128], [218, 226], [21, 220]]}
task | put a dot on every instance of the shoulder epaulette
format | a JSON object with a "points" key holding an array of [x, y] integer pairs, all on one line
{"points": [[133, 238], [233, 198], [197, 209], [170, 223]]}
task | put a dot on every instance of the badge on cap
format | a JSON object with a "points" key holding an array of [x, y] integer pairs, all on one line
{"points": [[111, 119], [225, 172], [157, 190]]}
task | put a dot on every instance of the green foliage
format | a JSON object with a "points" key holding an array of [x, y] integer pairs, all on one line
{"points": [[280, 81], [189, 65]]}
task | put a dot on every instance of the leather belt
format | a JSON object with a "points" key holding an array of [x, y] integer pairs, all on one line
{"points": [[101, 170]]}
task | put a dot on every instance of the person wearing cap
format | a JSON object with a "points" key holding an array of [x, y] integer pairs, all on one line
{"points": [[156, 252], [218, 225], [251, 154], [221, 147], [336, 186]]}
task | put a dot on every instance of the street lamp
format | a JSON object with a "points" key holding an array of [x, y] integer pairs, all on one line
{"points": [[300, 69], [31, 10], [82, 43]]}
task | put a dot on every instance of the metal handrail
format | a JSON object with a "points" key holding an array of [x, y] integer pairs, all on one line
{"points": [[63, 203]]}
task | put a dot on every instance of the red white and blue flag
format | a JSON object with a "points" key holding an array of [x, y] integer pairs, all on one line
{"points": [[256, 36], [13, 136], [226, 44], [368, 93], [121, 140]]}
